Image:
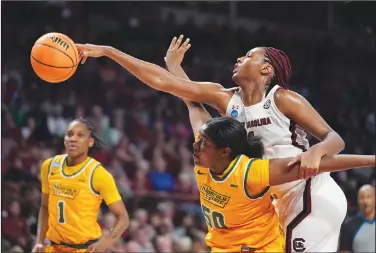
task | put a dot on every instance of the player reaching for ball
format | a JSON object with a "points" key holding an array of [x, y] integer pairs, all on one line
{"points": [[269, 110], [73, 187], [234, 183]]}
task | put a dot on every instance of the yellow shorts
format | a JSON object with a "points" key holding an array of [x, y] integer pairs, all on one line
{"points": [[58, 248], [278, 245], [275, 246]]}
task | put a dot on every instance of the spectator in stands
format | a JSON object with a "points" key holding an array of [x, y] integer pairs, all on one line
{"points": [[358, 232], [160, 179], [17, 229]]}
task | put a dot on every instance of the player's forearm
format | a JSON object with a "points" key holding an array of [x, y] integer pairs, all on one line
{"points": [[121, 224], [42, 225], [198, 115], [345, 162], [151, 74], [178, 71], [281, 173], [332, 144]]}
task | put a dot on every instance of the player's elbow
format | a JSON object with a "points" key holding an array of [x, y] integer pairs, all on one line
{"points": [[342, 143], [339, 140], [124, 220]]}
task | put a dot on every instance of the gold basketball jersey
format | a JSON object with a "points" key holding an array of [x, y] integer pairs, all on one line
{"points": [[239, 215], [73, 204]]}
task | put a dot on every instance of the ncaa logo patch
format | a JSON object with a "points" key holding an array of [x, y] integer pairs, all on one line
{"points": [[267, 104], [56, 164], [234, 113]]}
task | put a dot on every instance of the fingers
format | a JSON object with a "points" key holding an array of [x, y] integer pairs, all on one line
{"points": [[90, 249], [186, 42], [80, 47], [173, 42], [310, 173], [178, 42], [302, 171], [37, 249], [296, 159], [185, 46], [293, 161], [82, 56]]}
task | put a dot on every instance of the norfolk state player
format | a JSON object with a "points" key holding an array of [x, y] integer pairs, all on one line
{"points": [[73, 187], [234, 184]]}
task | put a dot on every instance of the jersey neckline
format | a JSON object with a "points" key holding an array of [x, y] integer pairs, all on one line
{"points": [[225, 176]]}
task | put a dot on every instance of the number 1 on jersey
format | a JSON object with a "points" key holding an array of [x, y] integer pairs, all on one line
{"points": [[61, 211]]}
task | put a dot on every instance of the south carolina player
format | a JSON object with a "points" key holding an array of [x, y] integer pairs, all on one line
{"points": [[268, 109]]}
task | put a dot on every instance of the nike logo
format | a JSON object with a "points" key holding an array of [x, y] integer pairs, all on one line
{"points": [[200, 173], [234, 185]]}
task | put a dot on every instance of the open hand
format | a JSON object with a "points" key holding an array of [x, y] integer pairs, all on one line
{"points": [[176, 51]]}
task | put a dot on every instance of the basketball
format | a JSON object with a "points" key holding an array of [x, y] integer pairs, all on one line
{"points": [[54, 57]]}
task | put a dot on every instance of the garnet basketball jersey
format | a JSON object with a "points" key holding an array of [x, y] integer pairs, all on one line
{"points": [[280, 136]]}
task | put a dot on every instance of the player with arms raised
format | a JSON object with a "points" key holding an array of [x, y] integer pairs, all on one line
{"points": [[73, 187], [268, 109]]}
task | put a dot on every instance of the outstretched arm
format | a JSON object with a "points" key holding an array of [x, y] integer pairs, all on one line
{"points": [[280, 172], [160, 79]]}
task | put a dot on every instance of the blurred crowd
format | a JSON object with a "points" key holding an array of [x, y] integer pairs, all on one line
{"points": [[147, 133]]}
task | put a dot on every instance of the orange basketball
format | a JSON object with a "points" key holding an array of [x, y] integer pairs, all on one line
{"points": [[54, 57]]}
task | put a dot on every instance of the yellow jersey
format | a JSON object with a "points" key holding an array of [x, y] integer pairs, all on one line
{"points": [[237, 208], [75, 194]]}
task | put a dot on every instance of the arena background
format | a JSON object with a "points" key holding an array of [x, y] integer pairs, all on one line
{"points": [[331, 46]]}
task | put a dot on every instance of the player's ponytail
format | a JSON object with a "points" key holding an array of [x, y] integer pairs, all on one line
{"points": [[282, 67], [228, 132], [254, 147]]}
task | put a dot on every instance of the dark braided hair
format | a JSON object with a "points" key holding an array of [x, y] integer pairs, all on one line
{"points": [[281, 63], [98, 144]]}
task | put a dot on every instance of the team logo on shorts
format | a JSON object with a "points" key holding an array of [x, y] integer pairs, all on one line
{"points": [[298, 244], [267, 104], [234, 113]]}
